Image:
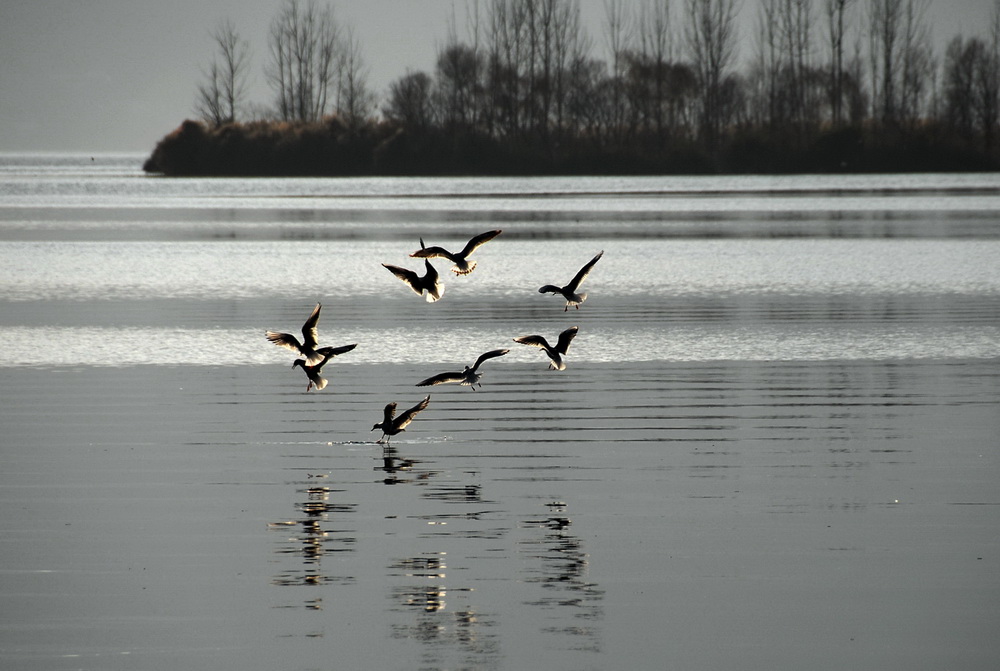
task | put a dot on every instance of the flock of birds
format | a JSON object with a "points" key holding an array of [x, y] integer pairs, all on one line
{"points": [[429, 285]]}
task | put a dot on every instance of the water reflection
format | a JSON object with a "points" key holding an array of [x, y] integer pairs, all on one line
{"points": [[314, 537], [399, 470], [466, 634], [557, 561]]}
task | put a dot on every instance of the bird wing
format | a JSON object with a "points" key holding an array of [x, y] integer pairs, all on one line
{"points": [[478, 241], [309, 335], [433, 253], [408, 276], [388, 413], [408, 416], [432, 283], [316, 367], [441, 378], [534, 341], [286, 340], [330, 352], [565, 338], [431, 276], [489, 355], [582, 274]]}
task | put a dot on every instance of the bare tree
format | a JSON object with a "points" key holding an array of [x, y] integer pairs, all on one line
{"points": [[507, 48], [355, 101], [222, 95], [884, 18], [656, 54], [795, 18], [901, 60], [989, 81], [710, 35], [618, 35], [569, 45], [306, 58], [917, 65], [459, 70], [586, 98], [410, 101], [836, 16], [960, 83], [971, 80], [765, 67]]}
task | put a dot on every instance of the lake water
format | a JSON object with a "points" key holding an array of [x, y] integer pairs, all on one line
{"points": [[776, 444]]}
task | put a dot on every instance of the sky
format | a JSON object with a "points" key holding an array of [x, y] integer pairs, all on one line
{"points": [[104, 76]]}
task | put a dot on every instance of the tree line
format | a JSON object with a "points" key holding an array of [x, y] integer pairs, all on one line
{"points": [[823, 85]]}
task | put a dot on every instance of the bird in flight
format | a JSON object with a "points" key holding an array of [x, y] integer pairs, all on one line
{"points": [[461, 259], [430, 285], [313, 372], [306, 348], [569, 292], [392, 424], [554, 353], [468, 377]]}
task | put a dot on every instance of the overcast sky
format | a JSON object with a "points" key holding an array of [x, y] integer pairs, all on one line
{"points": [[117, 75]]}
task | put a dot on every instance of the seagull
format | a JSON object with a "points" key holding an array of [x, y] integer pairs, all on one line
{"points": [[307, 347], [391, 426], [428, 283], [461, 260], [569, 291], [313, 372], [554, 353], [468, 377]]}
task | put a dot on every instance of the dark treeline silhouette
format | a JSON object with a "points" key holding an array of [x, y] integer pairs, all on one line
{"points": [[831, 86]]}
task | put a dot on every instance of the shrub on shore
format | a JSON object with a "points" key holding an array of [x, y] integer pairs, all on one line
{"points": [[331, 148]]}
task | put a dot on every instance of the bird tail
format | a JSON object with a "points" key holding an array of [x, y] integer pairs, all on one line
{"points": [[320, 383], [468, 268]]}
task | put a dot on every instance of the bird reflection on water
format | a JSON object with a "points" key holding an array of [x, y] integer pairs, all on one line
{"points": [[396, 467], [558, 562], [313, 540]]}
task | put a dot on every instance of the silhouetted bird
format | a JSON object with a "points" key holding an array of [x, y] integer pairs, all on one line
{"points": [[429, 283], [313, 372], [554, 353], [461, 260], [468, 377], [569, 291], [307, 347], [392, 425]]}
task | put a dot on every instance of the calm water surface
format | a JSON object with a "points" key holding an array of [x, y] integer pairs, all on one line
{"points": [[775, 444]]}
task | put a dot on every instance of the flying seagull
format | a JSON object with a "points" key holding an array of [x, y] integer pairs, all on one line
{"points": [[569, 291], [429, 283], [391, 425], [307, 347], [468, 377], [554, 353], [313, 372], [461, 260]]}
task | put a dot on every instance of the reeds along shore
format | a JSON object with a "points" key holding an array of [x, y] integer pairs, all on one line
{"points": [[333, 148]]}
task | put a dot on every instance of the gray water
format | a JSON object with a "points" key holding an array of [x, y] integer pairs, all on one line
{"points": [[775, 444]]}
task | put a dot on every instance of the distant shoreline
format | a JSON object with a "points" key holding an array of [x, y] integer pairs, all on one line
{"points": [[331, 148]]}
